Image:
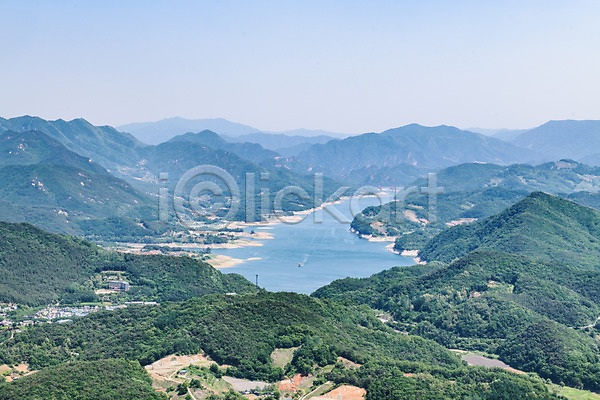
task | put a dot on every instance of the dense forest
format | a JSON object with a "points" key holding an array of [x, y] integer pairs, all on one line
{"points": [[84, 380], [242, 331], [38, 267], [540, 226], [528, 312]]}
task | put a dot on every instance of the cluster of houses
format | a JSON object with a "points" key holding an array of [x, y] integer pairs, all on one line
{"points": [[61, 315], [5, 308], [65, 312]]}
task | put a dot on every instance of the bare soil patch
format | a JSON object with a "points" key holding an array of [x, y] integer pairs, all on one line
{"points": [[344, 392]]}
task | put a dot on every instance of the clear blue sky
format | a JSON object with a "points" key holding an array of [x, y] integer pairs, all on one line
{"points": [[345, 66]]}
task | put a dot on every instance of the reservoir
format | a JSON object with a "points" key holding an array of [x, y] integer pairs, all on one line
{"points": [[303, 257]]}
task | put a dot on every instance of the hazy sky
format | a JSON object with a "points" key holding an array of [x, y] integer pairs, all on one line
{"points": [[345, 66]]}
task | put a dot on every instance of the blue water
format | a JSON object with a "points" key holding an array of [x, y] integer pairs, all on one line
{"points": [[327, 251]]}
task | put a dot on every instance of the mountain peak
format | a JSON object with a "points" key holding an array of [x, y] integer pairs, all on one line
{"points": [[540, 225]]}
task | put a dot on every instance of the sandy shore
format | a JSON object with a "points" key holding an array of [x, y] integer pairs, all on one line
{"points": [[390, 248], [219, 261]]}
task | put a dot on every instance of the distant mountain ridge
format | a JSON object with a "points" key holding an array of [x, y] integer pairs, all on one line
{"points": [[250, 151], [163, 130], [577, 140], [415, 145], [281, 142]]}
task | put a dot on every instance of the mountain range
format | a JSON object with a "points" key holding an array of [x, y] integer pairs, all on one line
{"points": [[428, 148], [165, 129], [103, 144], [478, 190], [42, 181]]}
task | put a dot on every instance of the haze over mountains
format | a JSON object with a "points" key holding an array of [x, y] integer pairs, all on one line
{"points": [[104, 144], [395, 157], [520, 283], [163, 130]]}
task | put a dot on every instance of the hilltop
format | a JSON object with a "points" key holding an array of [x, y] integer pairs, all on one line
{"points": [[540, 226], [35, 147], [250, 151], [578, 140], [473, 191], [43, 182], [37, 267], [536, 316]]}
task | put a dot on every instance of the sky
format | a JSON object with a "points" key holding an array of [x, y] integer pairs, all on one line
{"points": [[343, 66]]}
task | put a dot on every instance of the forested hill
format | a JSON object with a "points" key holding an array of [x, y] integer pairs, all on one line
{"points": [[101, 379], [536, 316], [478, 190], [43, 182], [34, 147], [243, 331], [37, 267], [540, 226], [104, 144], [250, 151]]}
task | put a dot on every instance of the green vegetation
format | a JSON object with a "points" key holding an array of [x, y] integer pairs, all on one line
{"points": [[540, 226], [476, 191], [84, 380], [41, 181], [34, 147], [38, 267], [399, 380], [521, 309], [250, 151], [243, 331], [103, 144]]}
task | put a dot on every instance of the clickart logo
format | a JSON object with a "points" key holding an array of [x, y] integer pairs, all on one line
{"points": [[209, 195]]}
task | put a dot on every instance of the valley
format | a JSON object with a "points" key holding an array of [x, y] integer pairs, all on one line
{"points": [[333, 296]]}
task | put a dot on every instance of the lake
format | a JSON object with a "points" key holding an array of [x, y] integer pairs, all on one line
{"points": [[326, 251]]}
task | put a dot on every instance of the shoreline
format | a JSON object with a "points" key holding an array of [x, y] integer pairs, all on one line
{"points": [[295, 218], [245, 238], [220, 261]]}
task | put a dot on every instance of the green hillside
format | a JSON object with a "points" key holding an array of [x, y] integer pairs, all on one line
{"points": [[540, 226], [476, 191], [74, 191], [103, 144], [179, 156], [250, 151], [242, 331], [38, 267], [33, 147], [497, 303], [44, 183], [102, 379]]}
